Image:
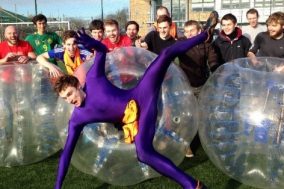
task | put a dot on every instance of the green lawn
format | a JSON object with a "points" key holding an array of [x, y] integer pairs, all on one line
{"points": [[42, 176]]}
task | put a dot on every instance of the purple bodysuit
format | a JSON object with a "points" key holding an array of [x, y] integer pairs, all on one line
{"points": [[105, 102]]}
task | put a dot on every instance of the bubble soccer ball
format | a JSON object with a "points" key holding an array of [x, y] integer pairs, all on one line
{"points": [[241, 121], [27, 104], [101, 150]]}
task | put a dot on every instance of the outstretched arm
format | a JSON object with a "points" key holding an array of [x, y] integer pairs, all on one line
{"points": [[98, 68], [53, 69]]}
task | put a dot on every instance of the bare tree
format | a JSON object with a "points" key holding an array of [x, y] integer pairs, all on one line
{"points": [[77, 23], [121, 16]]}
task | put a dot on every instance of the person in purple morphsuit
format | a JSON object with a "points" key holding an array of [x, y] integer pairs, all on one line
{"points": [[101, 101]]}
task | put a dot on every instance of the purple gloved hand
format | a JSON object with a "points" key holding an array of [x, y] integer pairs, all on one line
{"points": [[88, 42]]}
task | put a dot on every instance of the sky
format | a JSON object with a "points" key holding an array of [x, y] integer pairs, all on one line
{"points": [[85, 9]]}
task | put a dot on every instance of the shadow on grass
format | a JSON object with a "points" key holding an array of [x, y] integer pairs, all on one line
{"points": [[103, 186], [200, 157], [232, 184]]}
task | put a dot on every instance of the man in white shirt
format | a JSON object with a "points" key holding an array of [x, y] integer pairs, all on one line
{"points": [[251, 30]]}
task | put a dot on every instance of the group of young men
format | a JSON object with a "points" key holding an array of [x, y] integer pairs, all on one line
{"points": [[198, 53], [231, 43]]}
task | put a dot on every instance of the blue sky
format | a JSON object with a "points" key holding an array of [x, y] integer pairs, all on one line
{"points": [[57, 8]]}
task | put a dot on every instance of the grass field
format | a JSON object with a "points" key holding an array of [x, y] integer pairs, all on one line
{"points": [[42, 176]]}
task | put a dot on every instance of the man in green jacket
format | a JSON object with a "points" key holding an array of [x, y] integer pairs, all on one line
{"points": [[42, 41]]}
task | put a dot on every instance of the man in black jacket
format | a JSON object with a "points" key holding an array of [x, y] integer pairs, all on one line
{"points": [[198, 61], [197, 64], [156, 41], [231, 44]]}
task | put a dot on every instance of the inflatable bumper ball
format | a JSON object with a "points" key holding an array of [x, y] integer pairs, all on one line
{"points": [[27, 105], [101, 150], [241, 121]]}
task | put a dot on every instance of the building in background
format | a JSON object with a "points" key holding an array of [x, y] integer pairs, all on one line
{"points": [[144, 11], [240, 7]]}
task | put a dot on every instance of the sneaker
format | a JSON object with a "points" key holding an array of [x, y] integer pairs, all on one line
{"points": [[189, 153], [211, 22]]}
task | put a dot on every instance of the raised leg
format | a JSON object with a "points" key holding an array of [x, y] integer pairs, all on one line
{"points": [[155, 73]]}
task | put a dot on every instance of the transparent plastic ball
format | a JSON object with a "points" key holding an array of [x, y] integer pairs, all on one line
{"points": [[241, 120], [101, 150], [27, 105]]}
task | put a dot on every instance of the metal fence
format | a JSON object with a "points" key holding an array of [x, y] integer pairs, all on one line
{"points": [[26, 28]]}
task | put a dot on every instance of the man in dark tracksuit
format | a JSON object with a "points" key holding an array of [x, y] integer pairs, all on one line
{"points": [[230, 44], [197, 64]]}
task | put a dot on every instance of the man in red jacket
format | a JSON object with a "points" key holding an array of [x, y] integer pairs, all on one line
{"points": [[14, 49], [113, 38]]}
